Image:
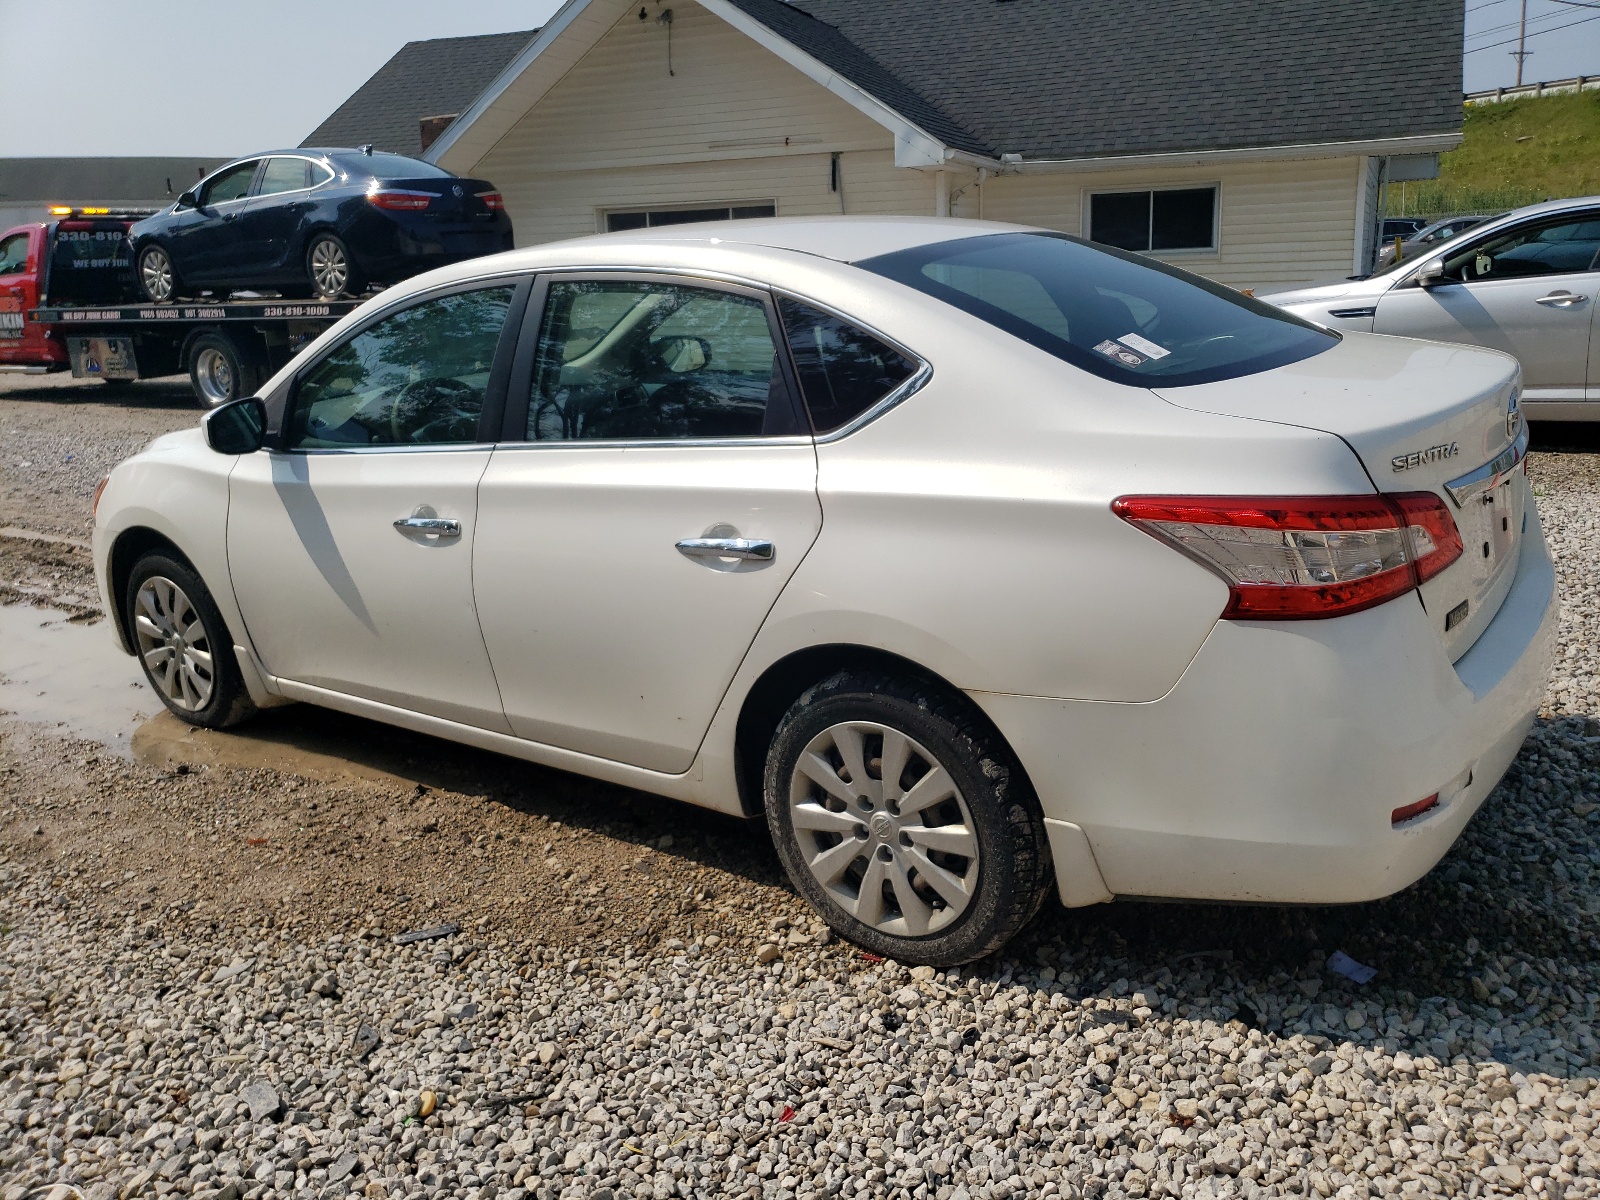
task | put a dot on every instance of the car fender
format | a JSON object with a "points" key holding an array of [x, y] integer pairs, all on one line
{"points": [[177, 474]]}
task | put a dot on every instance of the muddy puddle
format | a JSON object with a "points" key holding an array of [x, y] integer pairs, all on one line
{"points": [[70, 676]]}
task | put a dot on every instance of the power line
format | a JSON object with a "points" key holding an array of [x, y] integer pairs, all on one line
{"points": [[1536, 33], [1549, 16]]}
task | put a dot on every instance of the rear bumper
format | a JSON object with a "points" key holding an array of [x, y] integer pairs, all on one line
{"points": [[392, 248], [1270, 770]]}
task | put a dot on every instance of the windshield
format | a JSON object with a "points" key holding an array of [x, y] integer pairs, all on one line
{"points": [[1121, 316], [396, 166]]}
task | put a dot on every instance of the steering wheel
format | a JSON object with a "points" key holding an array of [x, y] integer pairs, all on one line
{"points": [[435, 410]]}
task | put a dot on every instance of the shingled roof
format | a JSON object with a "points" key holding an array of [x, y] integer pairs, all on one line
{"points": [[1063, 79], [423, 79]]}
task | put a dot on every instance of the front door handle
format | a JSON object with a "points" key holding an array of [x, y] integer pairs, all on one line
{"points": [[1562, 300], [752, 549], [444, 527]]}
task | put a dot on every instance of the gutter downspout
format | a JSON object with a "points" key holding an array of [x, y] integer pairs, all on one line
{"points": [[941, 193]]}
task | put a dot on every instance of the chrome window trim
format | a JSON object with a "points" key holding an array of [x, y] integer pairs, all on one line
{"points": [[388, 448], [1485, 477], [648, 443]]}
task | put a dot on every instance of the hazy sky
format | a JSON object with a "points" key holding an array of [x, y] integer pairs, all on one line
{"points": [[210, 78], [1564, 38], [216, 78]]}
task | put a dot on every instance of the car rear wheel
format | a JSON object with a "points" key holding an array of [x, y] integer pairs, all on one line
{"points": [[183, 644], [158, 278], [330, 269], [904, 820]]}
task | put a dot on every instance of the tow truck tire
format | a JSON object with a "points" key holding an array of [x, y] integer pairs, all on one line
{"points": [[330, 269], [158, 277], [222, 368]]}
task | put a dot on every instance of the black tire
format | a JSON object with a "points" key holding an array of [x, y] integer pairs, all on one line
{"points": [[325, 281], [1013, 868], [149, 275], [227, 702], [222, 368]]}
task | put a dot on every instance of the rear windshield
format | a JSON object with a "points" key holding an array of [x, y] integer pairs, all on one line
{"points": [[396, 166], [1118, 315]]}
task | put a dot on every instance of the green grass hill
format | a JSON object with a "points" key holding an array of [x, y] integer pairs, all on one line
{"points": [[1514, 152]]}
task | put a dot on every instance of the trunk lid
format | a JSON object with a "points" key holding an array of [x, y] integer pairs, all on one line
{"points": [[1421, 416], [454, 200]]}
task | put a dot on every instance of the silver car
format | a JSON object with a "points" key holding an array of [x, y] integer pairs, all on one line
{"points": [[1525, 283]]}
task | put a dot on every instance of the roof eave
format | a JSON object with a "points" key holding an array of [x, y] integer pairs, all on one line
{"points": [[1427, 143]]}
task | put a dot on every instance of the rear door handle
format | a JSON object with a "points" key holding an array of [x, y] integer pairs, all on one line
{"points": [[1562, 300], [753, 549], [444, 527]]}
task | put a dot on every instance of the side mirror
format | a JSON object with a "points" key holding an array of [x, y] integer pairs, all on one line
{"points": [[237, 427], [188, 200], [1431, 274], [684, 355]]}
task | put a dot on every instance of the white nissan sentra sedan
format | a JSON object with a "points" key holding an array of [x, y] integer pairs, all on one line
{"points": [[979, 560]]}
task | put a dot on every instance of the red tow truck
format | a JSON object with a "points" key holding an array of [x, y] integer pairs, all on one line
{"points": [[68, 301]]}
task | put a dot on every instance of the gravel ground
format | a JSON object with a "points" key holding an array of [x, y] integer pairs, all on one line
{"points": [[201, 992]]}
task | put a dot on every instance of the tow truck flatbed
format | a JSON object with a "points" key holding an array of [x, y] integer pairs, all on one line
{"points": [[202, 313]]}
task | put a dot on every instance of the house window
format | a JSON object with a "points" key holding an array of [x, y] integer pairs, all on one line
{"points": [[1155, 219], [649, 218]]}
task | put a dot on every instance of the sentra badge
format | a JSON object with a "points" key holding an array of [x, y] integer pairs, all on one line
{"points": [[1417, 458]]}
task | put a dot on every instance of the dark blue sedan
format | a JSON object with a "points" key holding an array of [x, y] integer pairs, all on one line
{"points": [[316, 222]]}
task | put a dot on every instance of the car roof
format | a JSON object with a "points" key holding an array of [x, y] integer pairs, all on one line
{"points": [[840, 238]]}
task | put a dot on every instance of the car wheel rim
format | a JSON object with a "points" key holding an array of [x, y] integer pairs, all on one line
{"points": [[173, 644], [155, 269], [884, 829], [213, 375], [329, 270]]}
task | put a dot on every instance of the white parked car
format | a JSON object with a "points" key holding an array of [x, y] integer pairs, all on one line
{"points": [[980, 561], [1527, 283]]}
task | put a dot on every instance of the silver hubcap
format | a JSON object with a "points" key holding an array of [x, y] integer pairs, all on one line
{"points": [[884, 829], [329, 270], [155, 269], [214, 376], [173, 644]]}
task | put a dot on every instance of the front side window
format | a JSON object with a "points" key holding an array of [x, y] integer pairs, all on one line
{"points": [[14, 254], [621, 359], [284, 175], [1121, 316], [230, 185], [843, 370], [1560, 247], [416, 378], [1155, 220]]}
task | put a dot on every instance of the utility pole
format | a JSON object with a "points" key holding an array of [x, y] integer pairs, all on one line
{"points": [[1522, 51]]}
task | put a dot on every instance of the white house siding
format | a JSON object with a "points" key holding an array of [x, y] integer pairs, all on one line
{"points": [[733, 123], [1281, 223]]}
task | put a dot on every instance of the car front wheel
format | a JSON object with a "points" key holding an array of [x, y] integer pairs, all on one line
{"points": [[183, 644], [904, 820], [158, 278], [329, 268]]}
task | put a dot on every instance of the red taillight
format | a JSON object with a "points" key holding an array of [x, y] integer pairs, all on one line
{"points": [[403, 201], [1293, 557], [493, 201], [1411, 811]]}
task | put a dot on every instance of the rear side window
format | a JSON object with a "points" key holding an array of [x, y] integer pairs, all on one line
{"points": [[1120, 316], [284, 175], [843, 370]]}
